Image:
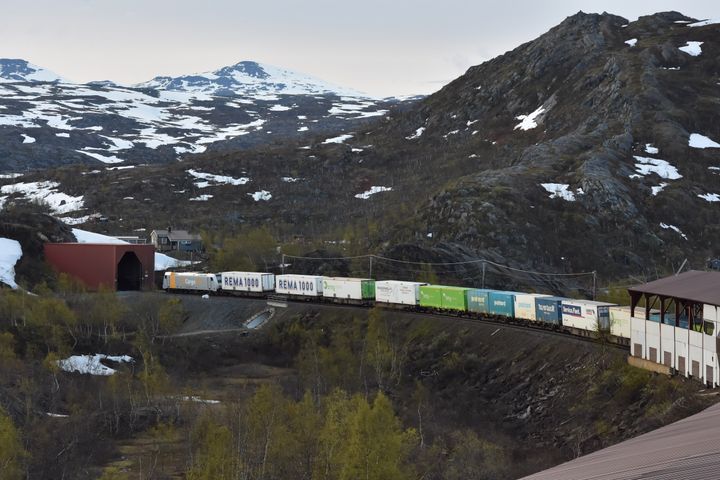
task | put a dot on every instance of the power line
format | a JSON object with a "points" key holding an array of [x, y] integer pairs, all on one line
{"points": [[467, 262]]}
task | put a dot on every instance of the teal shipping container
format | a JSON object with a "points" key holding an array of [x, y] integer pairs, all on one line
{"points": [[477, 300], [501, 303]]}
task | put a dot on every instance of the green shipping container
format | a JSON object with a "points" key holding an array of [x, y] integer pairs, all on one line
{"points": [[431, 296], [368, 289], [442, 297], [454, 298]]}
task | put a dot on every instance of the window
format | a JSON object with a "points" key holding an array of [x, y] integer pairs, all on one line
{"points": [[709, 328]]}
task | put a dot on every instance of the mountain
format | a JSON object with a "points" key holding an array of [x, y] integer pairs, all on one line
{"points": [[250, 79], [592, 147], [18, 70], [46, 124]]}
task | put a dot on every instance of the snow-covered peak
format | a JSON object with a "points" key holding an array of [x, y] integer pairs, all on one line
{"points": [[250, 79], [18, 70]]}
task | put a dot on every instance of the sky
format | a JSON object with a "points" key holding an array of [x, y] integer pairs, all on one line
{"points": [[381, 47]]}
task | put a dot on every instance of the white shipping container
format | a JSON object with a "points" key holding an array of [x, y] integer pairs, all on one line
{"points": [[525, 305], [201, 282], [344, 287], [401, 293], [305, 285], [620, 320], [585, 314], [247, 281]]}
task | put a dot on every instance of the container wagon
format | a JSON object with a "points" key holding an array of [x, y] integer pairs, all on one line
{"points": [[585, 316], [478, 300], [349, 290], [549, 310], [309, 286], [442, 297], [251, 283], [501, 303], [525, 305], [391, 293], [191, 282]]}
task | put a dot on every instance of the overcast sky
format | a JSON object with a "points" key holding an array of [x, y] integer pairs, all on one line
{"points": [[382, 47]]}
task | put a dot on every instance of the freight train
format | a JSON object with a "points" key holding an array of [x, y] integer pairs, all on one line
{"points": [[578, 317]]}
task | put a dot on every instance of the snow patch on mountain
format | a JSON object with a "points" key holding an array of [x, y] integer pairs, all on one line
{"points": [[250, 79], [529, 121], [18, 70], [10, 253], [692, 48], [700, 141]]}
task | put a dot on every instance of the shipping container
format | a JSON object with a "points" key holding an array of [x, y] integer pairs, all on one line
{"points": [[586, 314], [305, 285], [396, 292], [348, 288], [431, 296], [454, 298], [525, 305], [549, 310], [247, 281], [194, 281], [501, 303], [477, 300]]}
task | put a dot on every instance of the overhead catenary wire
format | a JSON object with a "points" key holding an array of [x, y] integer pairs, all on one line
{"points": [[433, 264]]}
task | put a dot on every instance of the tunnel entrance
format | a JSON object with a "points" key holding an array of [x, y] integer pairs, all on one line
{"points": [[129, 272]]}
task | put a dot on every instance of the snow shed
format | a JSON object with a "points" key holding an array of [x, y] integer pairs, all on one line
{"points": [[115, 266]]}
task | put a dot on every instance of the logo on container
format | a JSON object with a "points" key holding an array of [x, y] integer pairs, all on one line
{"points": [[574, 310]]}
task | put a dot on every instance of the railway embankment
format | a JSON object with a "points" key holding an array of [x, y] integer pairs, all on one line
{"points": [[537, 398]]}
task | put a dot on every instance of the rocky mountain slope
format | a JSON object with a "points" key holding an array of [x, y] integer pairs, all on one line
{"points": [[593, 147], [47, 122]]}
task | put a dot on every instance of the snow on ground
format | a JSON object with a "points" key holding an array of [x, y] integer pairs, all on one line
{"points": [[83, 236], [692, 48], [561, 190], [261, 195], [651, 150], [91, 364], [45, 192], [646, 166], [710, 197], [290, 179], [163, 262], [658, 189], [700, 141], [10, 175], [27, 138], [674, 228], [102, 158], [303, 129], [201, 198], [418, 133], [62, 135], [79, 220], [217, 179], [528, 121], [10, 253], [705, 22], [339, 139], [279, 108], [632, 42], [195, 399], [373, 190]]}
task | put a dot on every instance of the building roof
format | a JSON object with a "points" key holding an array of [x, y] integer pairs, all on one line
{"points": [[177, 235], [696, 286], [686, 450]]}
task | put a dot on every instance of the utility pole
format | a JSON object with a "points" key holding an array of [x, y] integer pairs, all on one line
{"points": [[483, 275], [371, 266], [594, 284], [282, 264]]}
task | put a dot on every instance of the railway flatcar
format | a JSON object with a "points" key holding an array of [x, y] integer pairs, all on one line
{"points": [[305, 286], [247, 282], [397, 293], [349, 290]]}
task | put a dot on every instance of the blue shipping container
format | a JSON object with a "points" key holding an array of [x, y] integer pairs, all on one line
{"points": [[549, 309], [501, 303], [477, 300]]}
